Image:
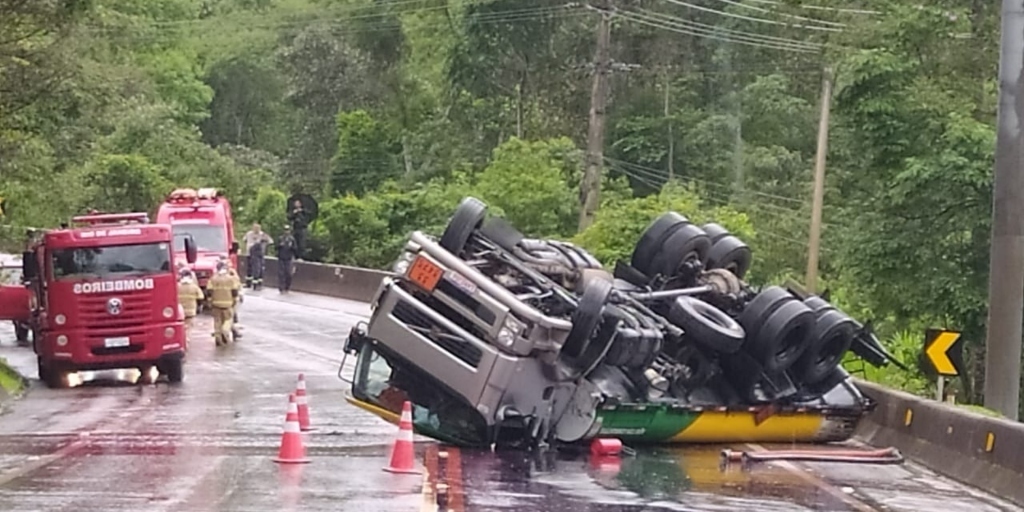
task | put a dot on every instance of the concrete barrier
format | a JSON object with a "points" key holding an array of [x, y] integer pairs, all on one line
{"points": [[331, 280], [978, 450], [981, 451]]}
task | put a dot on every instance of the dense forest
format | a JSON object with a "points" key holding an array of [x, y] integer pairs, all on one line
{"points": [[389, 111]]}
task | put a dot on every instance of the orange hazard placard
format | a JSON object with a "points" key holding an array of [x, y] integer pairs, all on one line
{"points": [[424, 273]]}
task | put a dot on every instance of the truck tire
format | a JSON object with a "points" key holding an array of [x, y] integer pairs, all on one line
{"points": [[784, 336], [730, 253], [173, 369], [587, 317], [52, 377], [468, 216], [832, 338], [715, 231], [652, 239], [760, 308], [686, 243], [707, 325]]}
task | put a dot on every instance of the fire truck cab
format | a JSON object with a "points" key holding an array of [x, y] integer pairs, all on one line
{"points": [[104, 295], [204, 216]]}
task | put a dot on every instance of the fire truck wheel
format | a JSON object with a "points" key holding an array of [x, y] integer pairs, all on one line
{"points": [[466, 219], [52, 377], [173, 369]]}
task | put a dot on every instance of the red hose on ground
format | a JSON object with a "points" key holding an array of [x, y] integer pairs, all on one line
{"points": [[881, 456]]}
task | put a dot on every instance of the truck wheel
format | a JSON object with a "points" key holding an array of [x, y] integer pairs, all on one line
{"points": [[833, 335], [784, 336], [652, 239], [53, 378], [760, 308], [730, 253], [715, 231], [467, 218], [687, 243], [173, 369], [587, 317], [707, 325]]}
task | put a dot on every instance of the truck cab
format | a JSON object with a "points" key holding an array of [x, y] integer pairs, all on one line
{"points": [[103, 295], [204, 216]]}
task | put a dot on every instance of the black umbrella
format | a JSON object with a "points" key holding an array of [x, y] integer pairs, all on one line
{"points": [[309, 205]]}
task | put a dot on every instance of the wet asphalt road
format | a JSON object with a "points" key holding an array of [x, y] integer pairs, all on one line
{"points": [[206, 445]]}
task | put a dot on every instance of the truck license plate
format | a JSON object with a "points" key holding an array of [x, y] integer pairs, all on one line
{"points": [[116, 342]]}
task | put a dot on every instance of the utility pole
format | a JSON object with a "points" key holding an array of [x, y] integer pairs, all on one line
{"points": [[814, 244], [671, 138], [1006, 264], [590, 187]]}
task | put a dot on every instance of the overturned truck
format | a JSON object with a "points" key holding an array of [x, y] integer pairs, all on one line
{"points": [[499, 339]]}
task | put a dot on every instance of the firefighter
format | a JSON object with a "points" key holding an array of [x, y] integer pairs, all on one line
{"points": [[286, 253], [256, 242], [189, 296], [235, 334], [223, 296]]}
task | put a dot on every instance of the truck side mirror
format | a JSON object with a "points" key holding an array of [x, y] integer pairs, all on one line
{"points": [[29, 266], [190, 250], [234, 248]]}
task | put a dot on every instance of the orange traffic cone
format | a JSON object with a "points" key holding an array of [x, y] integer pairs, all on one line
{"points": [[292, 451], [300, 399], [402, 456]]}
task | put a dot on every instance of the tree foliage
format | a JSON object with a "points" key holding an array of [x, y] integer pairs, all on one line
{"points": [[390, 112]]}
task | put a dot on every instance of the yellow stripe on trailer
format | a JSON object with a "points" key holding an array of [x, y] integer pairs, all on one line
{"points": [[734, 426]]}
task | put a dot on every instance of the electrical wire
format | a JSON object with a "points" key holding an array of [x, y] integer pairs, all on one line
{"points": [[689, 23], [781, 14], [750, 18], [690, 32], [819, 7]]}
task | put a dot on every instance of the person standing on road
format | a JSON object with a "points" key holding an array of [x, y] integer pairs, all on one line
{"points": [[235, 334], [223, 295], [286, 253], [256, 242], [189, 295], [299, 219]]}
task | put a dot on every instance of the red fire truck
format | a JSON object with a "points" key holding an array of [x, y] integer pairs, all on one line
{"points": [[104, 295], [203, 216]]}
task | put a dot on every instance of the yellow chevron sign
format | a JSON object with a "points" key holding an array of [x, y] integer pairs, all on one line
{"points": [[943, 351]]}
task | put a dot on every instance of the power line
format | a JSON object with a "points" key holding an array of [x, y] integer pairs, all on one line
{"points": [[819, 7], [750, 18], [271, 23], [693, 25], [690, 32], [784, 15]]}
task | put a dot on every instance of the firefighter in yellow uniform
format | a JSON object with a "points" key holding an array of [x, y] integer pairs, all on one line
{"points": [[235, 334], [189, 296], [223, 295]]}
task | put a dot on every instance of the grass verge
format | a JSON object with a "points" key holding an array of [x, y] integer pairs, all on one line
{"points": [[11, 381]]}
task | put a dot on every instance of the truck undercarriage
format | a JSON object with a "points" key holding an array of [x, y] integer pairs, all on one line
{"points": [[500, 339]]}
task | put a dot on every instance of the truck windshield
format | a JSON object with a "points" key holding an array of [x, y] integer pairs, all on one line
{"points": [[134, 259], [207, 238]]}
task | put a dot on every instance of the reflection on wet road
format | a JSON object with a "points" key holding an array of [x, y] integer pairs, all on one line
{"points": [[207, 444]]}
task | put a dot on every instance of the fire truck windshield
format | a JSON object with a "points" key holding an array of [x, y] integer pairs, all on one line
{"points": [[207, 238], [135, 259]]}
